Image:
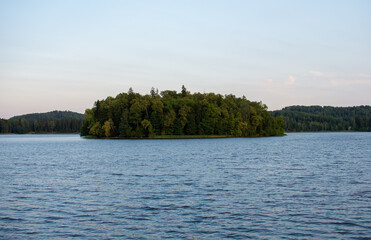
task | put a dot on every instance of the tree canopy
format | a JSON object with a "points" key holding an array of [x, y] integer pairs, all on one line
{"points": [[132, 115]]}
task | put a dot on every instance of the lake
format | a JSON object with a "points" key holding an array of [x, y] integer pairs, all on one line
{"points": [[301, 186]]}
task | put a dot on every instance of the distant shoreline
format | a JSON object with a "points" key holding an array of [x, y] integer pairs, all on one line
{"points": [[179, 136]]}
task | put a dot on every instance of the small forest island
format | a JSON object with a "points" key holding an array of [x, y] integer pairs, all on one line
{"points": [[169, 114]]}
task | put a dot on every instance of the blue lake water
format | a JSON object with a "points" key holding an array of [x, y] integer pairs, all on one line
{"points": [[301, 186]]}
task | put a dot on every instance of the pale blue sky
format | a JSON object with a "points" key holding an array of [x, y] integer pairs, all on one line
{"points": [[64, 55]]}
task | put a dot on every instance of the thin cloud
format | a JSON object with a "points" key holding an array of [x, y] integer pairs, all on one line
{"points": [[291, 80], [316, 73], [362, 75], [338, 79], [342, 82]]}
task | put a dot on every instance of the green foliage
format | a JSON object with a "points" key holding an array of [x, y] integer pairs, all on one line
{"points": [[148, 129], [131, 115], [96, 130], [317, 118], [108, 128]]}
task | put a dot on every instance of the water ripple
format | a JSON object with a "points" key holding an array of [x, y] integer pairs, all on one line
{"points": [[303, 186]]}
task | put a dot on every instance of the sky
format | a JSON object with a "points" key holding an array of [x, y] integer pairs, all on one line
{"points": [[65, 55]]}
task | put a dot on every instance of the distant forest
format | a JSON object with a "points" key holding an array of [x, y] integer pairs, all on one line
{"points": [[317, 118], [51, 122], [132, 115]]}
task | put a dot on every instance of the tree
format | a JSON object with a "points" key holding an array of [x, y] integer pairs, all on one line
{"points": [[96, 130], [183, 113], [108, 128], [124, 127], [147, 128], [184, 91], [169, 122]]}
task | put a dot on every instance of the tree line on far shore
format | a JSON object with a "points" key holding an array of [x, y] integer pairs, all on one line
{"points": [[51, 122], [318, 118], [132, 115]]}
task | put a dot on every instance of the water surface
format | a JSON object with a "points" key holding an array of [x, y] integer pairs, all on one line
{"points": [[302, 186]]}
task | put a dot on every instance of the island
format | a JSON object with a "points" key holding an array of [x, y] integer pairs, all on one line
{"points": [[170, 114]]}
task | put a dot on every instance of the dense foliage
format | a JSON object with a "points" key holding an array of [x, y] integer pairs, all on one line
{"points": [[317, 118], [132, 115], [51, 122]]}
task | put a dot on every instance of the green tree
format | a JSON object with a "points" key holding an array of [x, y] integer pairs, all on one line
{"points": [[96, 130], [147, 128], [108, 128], [169, 122]]}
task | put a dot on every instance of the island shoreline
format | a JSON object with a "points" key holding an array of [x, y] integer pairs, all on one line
{"points": [[174, 137]]}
